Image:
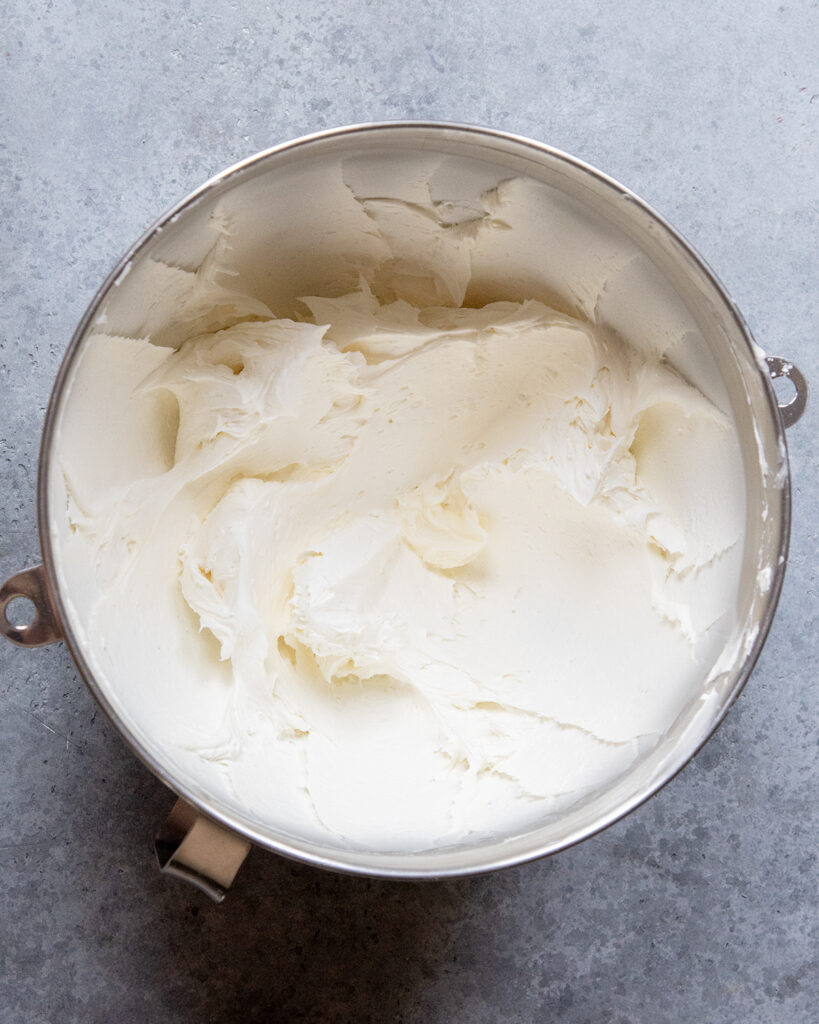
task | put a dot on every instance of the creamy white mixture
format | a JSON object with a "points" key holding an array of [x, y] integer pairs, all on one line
{"points": [[398, 571]]}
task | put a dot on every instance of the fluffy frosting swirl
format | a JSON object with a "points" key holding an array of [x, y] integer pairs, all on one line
{"points": [[409, 571]]}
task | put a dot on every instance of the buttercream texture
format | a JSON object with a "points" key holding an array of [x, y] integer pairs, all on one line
{"points": [[397, 570]]}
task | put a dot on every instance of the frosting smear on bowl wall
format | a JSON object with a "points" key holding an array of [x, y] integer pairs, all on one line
{"points": [[403, 565]]}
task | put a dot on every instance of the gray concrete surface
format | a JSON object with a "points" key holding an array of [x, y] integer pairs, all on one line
{"points": [[701, 906]]}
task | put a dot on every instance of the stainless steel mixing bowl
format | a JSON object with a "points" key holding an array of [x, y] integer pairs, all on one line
{"points": [[279, 206]]}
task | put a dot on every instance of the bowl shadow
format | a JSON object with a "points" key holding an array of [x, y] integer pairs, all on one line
{"points": [[292, 942]]}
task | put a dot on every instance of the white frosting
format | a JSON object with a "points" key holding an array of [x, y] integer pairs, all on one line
{"points": [[397, 572]]}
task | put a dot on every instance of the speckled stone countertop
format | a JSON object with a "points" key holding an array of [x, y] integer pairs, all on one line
{"points": [[699, 907]]}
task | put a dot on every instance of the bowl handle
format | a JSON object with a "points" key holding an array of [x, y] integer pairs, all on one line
{"points": [[44, 628], [196, 849], [789, 411]]}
